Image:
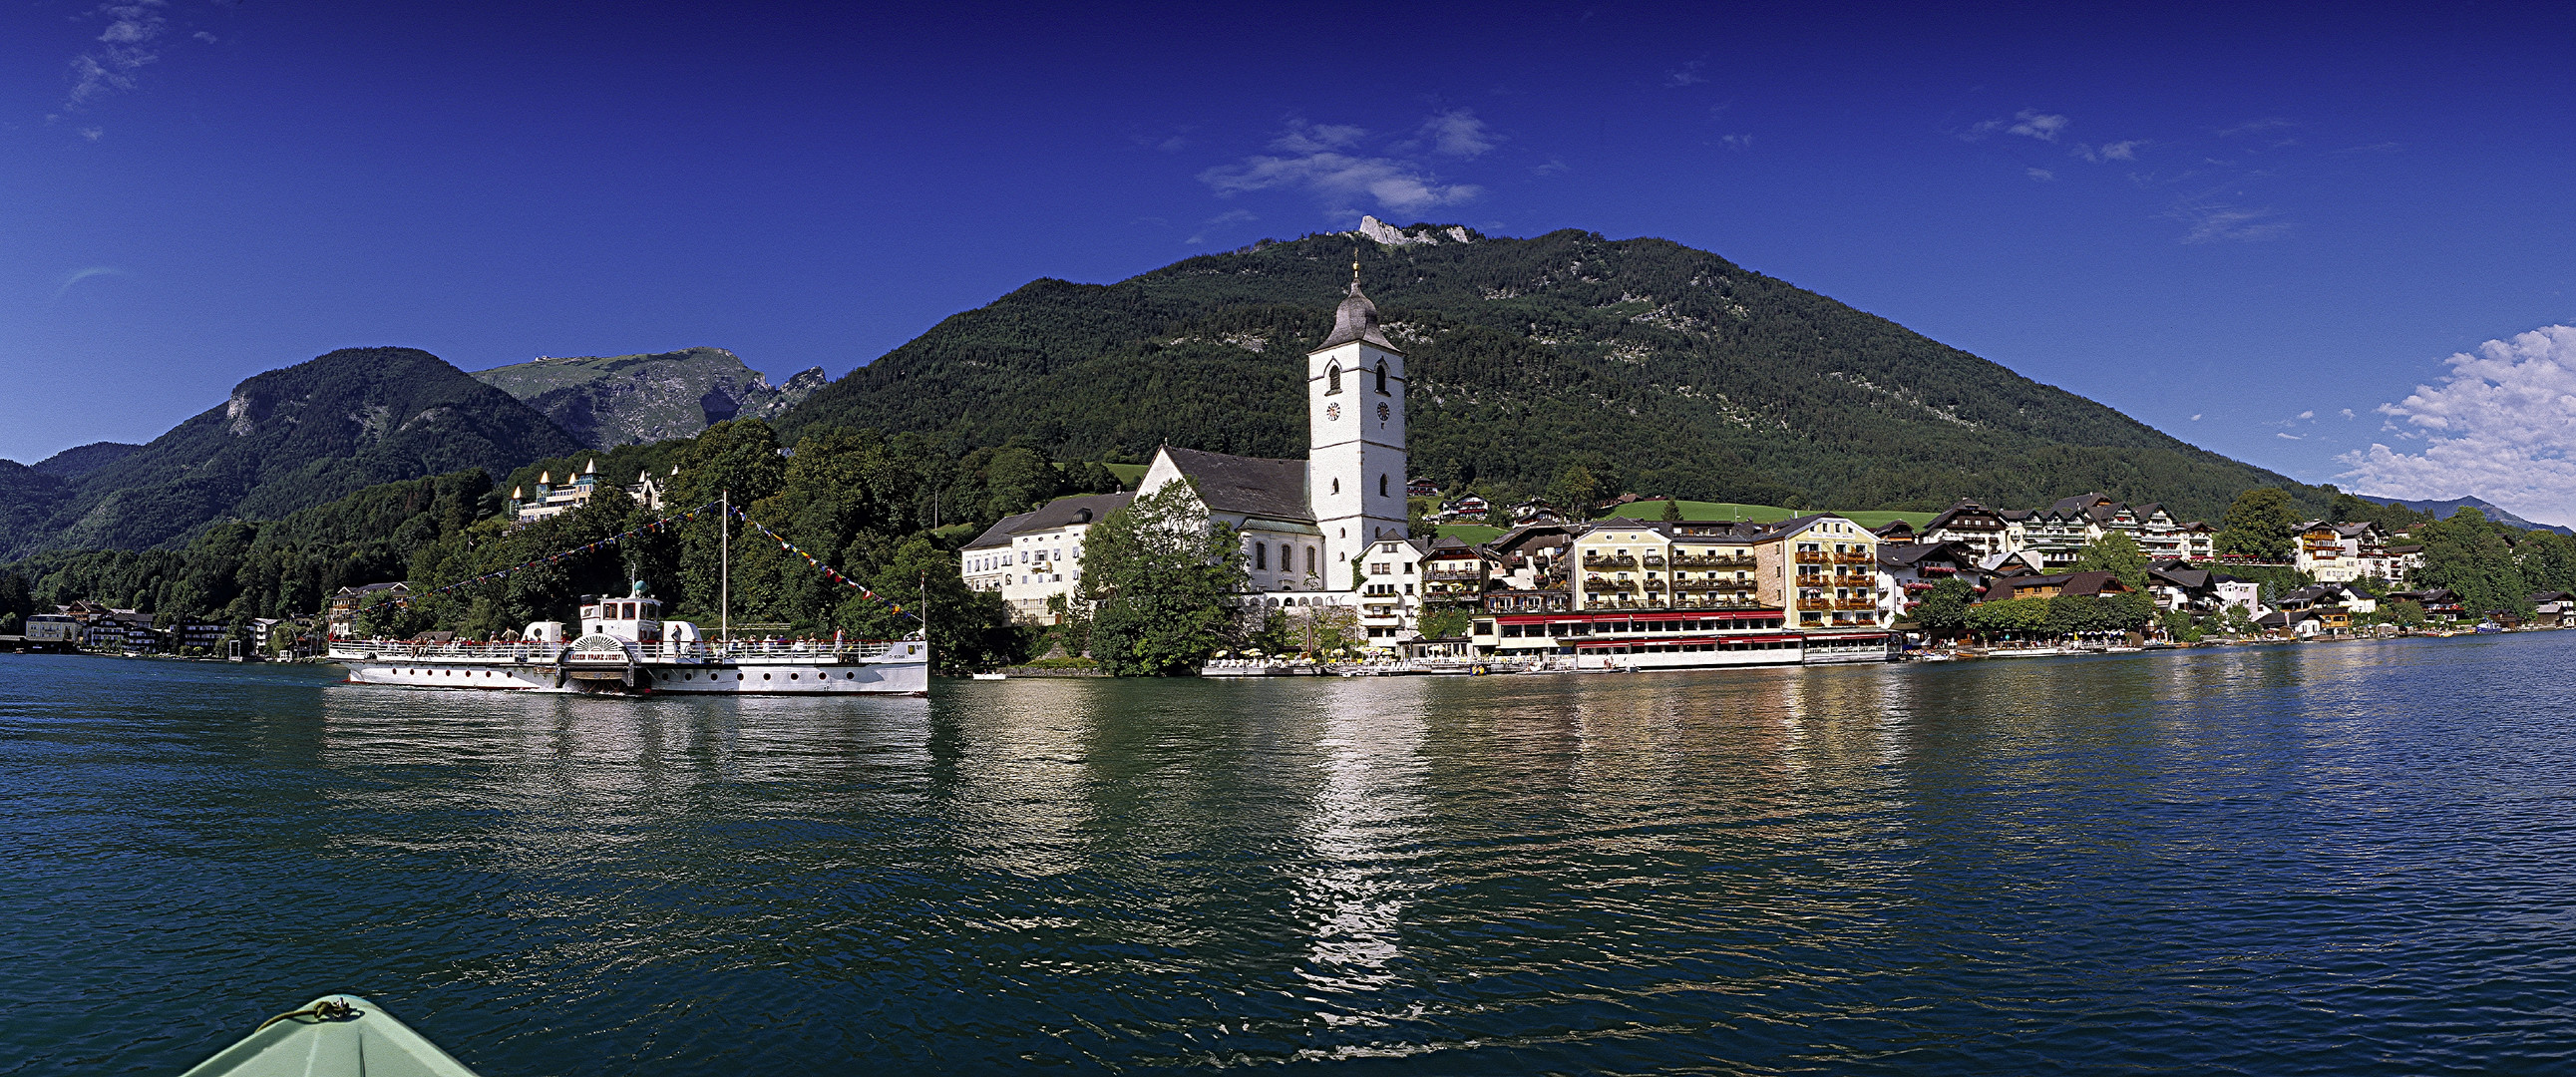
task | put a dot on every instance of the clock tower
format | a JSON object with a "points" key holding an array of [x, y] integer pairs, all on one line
{"points": [[1355, 472]]}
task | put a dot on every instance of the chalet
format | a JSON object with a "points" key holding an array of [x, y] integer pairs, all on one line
{"points": [[2322, 595], [1421, 488], [1907, 570], [2553, 607], [2342, 553], [340, 614], [2067, 583], [2439, 602], [1470, 507], [1894, 531], [1968, 524]]}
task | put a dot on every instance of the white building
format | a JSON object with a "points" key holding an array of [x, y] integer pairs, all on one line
{"points": [[1035, 555], [1308, 525]]}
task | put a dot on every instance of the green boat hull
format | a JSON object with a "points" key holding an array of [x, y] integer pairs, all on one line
{"points": [[333, 1036]]}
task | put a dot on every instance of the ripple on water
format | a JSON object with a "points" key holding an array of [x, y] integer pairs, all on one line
{"points": [[2322, 859]]}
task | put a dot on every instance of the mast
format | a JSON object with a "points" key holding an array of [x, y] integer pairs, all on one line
{"points": [[724, 570]]}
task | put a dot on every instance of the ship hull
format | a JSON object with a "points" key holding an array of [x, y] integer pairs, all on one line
{"points": [[901, 669]]}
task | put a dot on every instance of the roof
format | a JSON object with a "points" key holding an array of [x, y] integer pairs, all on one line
{"points": [[1356, 319], [1964, 507], [1061, 512], [1905, 554], [2071, 583], [1000, 533], [1250, 485], [2189, 579]]}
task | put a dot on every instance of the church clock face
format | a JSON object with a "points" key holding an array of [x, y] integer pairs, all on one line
{"points": [[1383, 411], [1332, 411]]}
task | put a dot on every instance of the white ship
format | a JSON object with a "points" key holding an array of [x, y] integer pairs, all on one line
{"points": [[623, 646]]}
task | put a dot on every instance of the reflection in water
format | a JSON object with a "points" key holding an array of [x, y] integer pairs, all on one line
{"points": [[1366, 805], [2070, 864]]}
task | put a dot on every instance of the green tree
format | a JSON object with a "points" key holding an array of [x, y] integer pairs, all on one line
{"points": [[2022, 615], [1445, 622], [2470, 555], [1672, 510], [1576, 490], [2404, 613], [2236, 621], [1162, 574], [2117, 554], [1944, 608], [2259, 524]]}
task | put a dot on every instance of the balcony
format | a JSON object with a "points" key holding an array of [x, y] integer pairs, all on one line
{"points": [[1713, 561], [1815, 604], [1863, 558], [1609, 585], [1856, 580], [1455, 574], [1654, 585], [1849, 604], [1653, 561], [1811, 557], [1609, 562]]}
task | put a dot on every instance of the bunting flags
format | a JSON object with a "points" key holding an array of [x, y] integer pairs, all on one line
{"points": [[549, 559], [828, 571]]}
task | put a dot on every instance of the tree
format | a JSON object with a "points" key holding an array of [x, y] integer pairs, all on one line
{"points": [[1576, 489], [2259, 524], [1445, 622], [1162, 574], [1945, 607], [2118, 554], [2010, 615], [1672, 510], [2404, 613], [1417, 517], [2236, 621], [2469, 555]]}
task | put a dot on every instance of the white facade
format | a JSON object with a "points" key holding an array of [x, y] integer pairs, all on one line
{"points": [[1355, 462], [1035, 555]]}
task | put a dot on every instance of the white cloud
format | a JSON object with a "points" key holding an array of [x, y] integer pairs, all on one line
{"points": [[2195, 416], [2287, 434], [1686, 75], [2109, 151], [2041, 174], [1553, 166], [124, 47], [2307, 415], [1458, 133], [1322, 160], [78, 275], [2036, 124], [1736, 142], [2501, 426], [2213, 221], [2347, 413]]}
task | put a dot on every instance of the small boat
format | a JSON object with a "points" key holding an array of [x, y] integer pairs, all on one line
{"points": [[992, 676], [2025, 652], [2488, 626], [332, 1036], [2122, 650]]}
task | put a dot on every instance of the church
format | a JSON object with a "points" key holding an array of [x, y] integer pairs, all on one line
{"points": [[1303, 522]]}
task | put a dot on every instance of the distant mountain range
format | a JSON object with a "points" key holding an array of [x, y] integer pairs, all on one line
{"points": [[632, 399], [2445, 508], [1658, 368], [285, 440]]}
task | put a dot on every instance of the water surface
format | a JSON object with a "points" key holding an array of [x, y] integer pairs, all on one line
{"points": [[2337, 858]]}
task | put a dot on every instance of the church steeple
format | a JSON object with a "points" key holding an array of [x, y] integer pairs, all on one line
{"points": [[1356, 318], [1355, 461]]}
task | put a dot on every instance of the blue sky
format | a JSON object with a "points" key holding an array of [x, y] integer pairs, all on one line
{"points": [[2237, 224]]}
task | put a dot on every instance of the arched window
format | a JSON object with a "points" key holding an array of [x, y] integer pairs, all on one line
{"points": [[1333, 377], [1381, 486], [1337, 486], [1310, 560], [1381, 377], [1261, 556]]}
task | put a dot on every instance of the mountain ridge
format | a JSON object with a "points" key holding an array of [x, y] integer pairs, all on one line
{"points": [[1654, 366], [2444, 508], [284, 439], [607, 400]]}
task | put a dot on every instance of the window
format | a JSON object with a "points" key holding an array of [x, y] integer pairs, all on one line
{"points": [[1310, 560], [1261, 556], [1381, 486], [1337, 486], [1381, 377], [1332, 377]]}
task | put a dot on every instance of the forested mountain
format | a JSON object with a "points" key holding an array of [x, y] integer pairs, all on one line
{"points": [[75, 462], [1658, 368], [285, 440], [633, 399]]}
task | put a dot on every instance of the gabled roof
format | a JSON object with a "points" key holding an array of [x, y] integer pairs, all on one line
{"points": [[1964, 507], [1909, 554], [2189, 579], [1251, 485]]}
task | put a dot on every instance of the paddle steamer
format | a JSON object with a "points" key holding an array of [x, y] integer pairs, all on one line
{"points": [[623, 646]]}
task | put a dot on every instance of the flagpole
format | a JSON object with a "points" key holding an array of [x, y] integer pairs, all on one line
{"points": [[724, 570]]}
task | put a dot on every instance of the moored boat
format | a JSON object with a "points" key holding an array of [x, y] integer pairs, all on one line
{"points": [[623, 646]]}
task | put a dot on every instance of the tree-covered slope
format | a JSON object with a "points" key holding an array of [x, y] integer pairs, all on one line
{"points": [[1658, 368], [634, 399], [285, 440]]}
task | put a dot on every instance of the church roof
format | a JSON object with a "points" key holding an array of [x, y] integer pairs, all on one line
{"points": [[1356, 319], [1251, 485]]}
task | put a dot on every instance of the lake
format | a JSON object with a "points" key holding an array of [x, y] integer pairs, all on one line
{"points": [[2328, 858]]}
